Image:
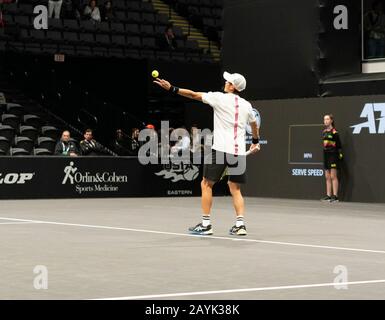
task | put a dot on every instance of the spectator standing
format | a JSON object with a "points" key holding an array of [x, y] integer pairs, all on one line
{"points": [[54, 6], [108, 13], [168, 40], [374, 24], [92, 12]]}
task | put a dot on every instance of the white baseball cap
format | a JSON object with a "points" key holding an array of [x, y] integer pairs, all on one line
{"points": [[236, 79]]}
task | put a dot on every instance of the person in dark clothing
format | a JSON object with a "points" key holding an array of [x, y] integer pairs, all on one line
{"points": [[134, 143], [78, 8], [167, 40], [374, 27], [107, 11], [66, 147], [122, 143], [90, 147], [332, 150]]}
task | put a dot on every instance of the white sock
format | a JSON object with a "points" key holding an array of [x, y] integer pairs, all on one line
{"points": [[240, 221], [206, 221]]}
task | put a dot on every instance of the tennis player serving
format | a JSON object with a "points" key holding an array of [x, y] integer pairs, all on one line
{"points": [[231, 116]]}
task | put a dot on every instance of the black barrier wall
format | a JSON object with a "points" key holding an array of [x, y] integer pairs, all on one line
{"points": [[85, 177], [290, 163]]}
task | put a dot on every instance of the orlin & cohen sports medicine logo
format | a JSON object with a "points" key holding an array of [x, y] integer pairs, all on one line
{"points": [[86, 182]]}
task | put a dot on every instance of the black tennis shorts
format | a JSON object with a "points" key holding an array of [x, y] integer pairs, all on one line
{"points": [[217, 162], [331, 160]]}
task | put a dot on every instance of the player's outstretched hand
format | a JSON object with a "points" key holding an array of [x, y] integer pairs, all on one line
{"points": [[254, 148], [163, 83]]}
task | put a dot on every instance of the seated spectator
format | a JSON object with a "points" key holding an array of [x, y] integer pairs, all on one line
{"points": [[65, 147], [183, 143], [92, 12], [72, 9], [168, 41], [2, 23], [196, 139], [78, 6], [54, 6], [90, 147], [108, 13], [134, 143], [68, 11], [122, 143]]}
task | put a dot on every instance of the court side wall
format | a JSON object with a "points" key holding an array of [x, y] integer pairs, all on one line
{"points": [[290, 162]]}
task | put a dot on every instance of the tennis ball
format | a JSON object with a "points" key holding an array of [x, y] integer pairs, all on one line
{"points": [[155, 74]]}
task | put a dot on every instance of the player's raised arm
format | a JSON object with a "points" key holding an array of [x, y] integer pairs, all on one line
{"points": [[182, 92], [255, 146]]}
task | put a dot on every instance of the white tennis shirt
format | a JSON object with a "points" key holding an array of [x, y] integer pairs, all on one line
{"points": [[231, 116]]}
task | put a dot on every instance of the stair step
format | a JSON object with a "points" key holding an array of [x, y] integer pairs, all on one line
{"points": [[202, 38], [181, 22], [199, 40], [187, 29]]}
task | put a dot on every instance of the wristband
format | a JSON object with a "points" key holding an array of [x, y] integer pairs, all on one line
{"points": [[255, 140], [174, 90]]}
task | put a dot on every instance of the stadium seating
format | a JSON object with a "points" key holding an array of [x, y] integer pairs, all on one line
{"points": [[203, 14], [137, 25], [28, 129]]}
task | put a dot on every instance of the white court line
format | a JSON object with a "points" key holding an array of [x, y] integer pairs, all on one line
{"points": [[201, 293], [8, 223], [197, 236]]}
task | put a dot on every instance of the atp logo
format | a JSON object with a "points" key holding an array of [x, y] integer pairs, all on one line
{"points": [[368, 112]]}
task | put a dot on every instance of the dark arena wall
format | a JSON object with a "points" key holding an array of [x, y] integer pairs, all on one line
{"points": [[288, 49], [290, 162], [304, 54]]}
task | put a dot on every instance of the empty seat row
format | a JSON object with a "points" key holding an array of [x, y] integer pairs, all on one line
{"points": [[27, 143], [123, 52], [206, 12], [12, 108], [104, 27], [86, 38], [73, 24], [86, 25], [102, 40], [212, 22], [32, 132], [201, 3], [133, 6], [22, 152], [129, 5], [27, 119]]}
